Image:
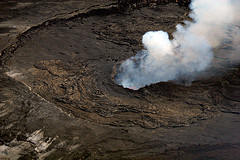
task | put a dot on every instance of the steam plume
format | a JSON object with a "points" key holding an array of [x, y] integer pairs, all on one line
{"points": [[191, 50]]}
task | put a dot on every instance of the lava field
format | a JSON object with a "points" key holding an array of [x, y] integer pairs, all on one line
{"points": [[59, 99]]}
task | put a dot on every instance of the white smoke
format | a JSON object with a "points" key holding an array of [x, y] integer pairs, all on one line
{"points": [[190, 51]]}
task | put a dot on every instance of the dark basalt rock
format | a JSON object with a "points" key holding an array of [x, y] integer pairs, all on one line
{"points": [[124, 4], [58, 98]]}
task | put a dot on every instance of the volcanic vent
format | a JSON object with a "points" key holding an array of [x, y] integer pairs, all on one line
{"points": [[189, 53]]}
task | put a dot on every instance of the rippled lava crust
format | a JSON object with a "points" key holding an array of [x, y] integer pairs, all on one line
{"points": [[71, 63]]}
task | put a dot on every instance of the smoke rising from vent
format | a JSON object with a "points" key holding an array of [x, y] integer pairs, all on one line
{"points": [[189, 52]]}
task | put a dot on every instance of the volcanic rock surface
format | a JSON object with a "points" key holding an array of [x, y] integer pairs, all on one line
{"points": [[58, 98]]}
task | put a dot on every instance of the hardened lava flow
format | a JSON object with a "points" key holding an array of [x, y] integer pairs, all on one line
{"points": [[77, 76], [59, 99]]}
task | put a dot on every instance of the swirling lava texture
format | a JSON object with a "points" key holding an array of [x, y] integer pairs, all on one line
{"points": [[72, 64]]}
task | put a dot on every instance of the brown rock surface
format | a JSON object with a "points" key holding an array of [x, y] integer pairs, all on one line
{"points": [[58, 98]]}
